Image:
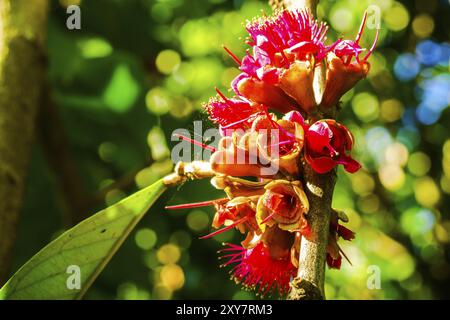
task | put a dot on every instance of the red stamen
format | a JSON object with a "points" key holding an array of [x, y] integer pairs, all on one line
{"points": [[234, 258], [230, 247], [345, 256], [279, 127], [332, 151], [358, 37], [195, 142], [256, 269], [239, 121], [239, 62], [317, 32], [347, 61], [334, 45], [266, 112], [373, 45], [361, 28], [283, 55], [282, 143], [231, 226], [196, 204], [222, 95], [268, 218], [263, 13]]}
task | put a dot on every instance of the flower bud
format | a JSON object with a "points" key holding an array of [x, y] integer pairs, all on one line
{"points": [[267, 94], [340, 78], [326, 145], [297, 82], [284, 203]]}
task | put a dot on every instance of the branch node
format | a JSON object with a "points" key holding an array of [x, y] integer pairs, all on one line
{"points": [[314, 189], [302, 289], [185, 171]]}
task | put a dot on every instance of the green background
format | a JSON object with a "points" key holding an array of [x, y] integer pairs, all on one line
{"points": [[138, 69]]}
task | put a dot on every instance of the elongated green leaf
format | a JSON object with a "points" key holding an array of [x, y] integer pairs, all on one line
{"points": [[53, 272]]}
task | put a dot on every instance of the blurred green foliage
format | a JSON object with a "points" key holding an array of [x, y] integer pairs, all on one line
{"points": [[139, 69]]}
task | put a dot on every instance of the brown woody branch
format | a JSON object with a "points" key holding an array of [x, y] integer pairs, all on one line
{"points": [[310, 280]]}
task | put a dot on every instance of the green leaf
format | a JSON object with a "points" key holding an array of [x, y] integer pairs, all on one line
{"points": [[89, 246]]}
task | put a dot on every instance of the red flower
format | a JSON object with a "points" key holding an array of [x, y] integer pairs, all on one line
{"points": [[280, 39], [348, 49], [272, 209], [286, 49], [327, 144], [256, 269], [342, 72], [234, 113], [268, 146], [344, 233], [334, 252], [286, 133], [284, 203], [239, 212], [334, 263]]}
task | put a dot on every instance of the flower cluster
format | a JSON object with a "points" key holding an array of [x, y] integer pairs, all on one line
{"points": [[287, 49]]}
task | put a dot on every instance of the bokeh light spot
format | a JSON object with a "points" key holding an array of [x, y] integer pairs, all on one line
{"points": [[341, 19], [377, 140], [417, 221], [157, 143], [107, 151], [161, 292], [181, 108], [362, 183], [168, 254], [129, 291], [161, 12], [396, 154], [197, 220], [426, 192], [445, 184], [93, 48], [122, 91], [442, 234], [145, 238], [181, 238], [397, 17], [391, 176], [369, 203], [198, 38], [391, 110], [172, 277], [427, 114], [406, 67], [151, 260], [423, 25], [158, 101], [167, 61], [419, 164], [365, 106]]}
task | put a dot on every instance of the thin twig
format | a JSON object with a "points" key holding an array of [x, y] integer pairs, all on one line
{"points": [[56, 147]]}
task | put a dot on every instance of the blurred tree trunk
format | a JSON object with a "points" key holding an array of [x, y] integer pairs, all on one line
{"points": [[23, 24]]}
